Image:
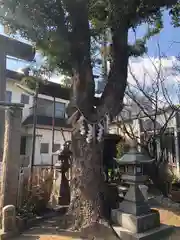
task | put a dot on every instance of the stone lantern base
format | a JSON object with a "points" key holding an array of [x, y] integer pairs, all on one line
{"points": [[130, 225], [136, 224], [162, 233], [136, 220]]}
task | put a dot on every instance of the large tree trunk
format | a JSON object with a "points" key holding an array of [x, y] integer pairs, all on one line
{"points": [[87, 185], [87, 210]]}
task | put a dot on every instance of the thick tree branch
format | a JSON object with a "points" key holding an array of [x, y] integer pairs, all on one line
{"points": [[112, 98], [149, 7], [83, 82], [153, 4], [142, 10]]}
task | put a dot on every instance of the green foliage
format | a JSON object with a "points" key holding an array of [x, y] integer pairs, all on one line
{"points": [[56, 26], [122, 148], [30, 82], [138, 48], [38, 76], [66, 82], [35, 200], [175, 12]]}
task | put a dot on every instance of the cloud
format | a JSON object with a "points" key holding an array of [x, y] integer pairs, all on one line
{"points": [[150, 68], [147, 71]]}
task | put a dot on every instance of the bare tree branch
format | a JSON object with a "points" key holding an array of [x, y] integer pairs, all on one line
{"points": [[161, 113]]}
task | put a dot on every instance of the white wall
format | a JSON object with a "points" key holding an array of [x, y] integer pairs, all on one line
{"points": [[134, 125], [16, 95], [45, 136]]}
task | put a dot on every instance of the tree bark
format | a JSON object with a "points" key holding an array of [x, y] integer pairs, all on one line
{"points": [[87, 210], [87, 185]]}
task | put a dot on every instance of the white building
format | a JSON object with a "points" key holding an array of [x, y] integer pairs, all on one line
{"points": [[43, 146], [164, 129]]}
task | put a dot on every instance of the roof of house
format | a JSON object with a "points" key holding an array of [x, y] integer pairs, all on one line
{"points": [[14, 75], [47, 88], [17, 48], [54, 90], [47, 121]]}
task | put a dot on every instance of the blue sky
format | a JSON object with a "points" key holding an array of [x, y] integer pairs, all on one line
{"points": [[166, 40]]}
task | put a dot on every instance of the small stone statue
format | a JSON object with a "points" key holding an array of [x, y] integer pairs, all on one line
{"points": [[9, 219]]}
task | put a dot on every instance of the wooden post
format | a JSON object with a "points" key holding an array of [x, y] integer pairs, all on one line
{"points": [[53, 129], [11, 157], [35, 99]]}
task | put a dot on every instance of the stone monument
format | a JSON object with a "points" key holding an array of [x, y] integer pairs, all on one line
{"points": [[134, 219], [9, 228]]}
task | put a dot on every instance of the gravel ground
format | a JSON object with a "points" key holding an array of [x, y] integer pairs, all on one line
{"points": [[49, 229], [171, 218]]}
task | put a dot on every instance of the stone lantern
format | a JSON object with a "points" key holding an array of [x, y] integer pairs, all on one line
{"points": [[132, 163], [134, 216]]}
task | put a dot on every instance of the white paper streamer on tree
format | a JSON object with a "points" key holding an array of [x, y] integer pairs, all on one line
{"points": [[106, 123], [100, 132], [90, 129], [90, 133], [82, 127]]}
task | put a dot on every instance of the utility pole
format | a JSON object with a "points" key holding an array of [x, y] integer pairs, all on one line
{"points": [[53, 128], [34, 129]]}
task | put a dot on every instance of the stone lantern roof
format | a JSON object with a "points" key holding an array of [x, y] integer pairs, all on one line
{"points": [[134, 157]]}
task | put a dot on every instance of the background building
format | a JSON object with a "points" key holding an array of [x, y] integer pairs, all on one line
{"points": [[45, 112]]}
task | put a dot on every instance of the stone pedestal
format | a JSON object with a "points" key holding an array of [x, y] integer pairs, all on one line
{"points": [[136, 220], [161, 233], [136, 224]]}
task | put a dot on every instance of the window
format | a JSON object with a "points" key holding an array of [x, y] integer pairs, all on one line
{"points": [[60, 109], [23, 146], [24, 99], [56, 147], [8, 96], [44, 148]]}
